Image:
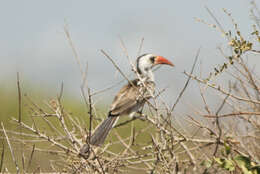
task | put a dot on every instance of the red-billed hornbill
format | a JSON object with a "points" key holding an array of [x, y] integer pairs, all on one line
{"points": [[131, 97]]}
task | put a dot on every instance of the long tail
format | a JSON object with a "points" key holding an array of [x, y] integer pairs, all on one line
{"points": [[100, 134]]}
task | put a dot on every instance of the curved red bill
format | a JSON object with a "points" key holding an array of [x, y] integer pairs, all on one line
{"points": [[162, 60]]}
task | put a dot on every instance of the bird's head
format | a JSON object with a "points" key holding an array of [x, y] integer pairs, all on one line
{"points": [[146, 62]]}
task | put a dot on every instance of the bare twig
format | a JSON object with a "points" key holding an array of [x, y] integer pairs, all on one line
{"points": [[127, 121], [43, 136], [11, 149], [66, 30], [140, 47], [20, 113], [189, 153], [216, 20], [218, 123], [233, 114], [116, 66], [30, 159], [19, 99], [218, 88], [187, 82], [90, 114], [61, 92], [2, 158]]}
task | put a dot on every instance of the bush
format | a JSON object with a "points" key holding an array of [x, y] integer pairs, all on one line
{"points": [[157, 142]]}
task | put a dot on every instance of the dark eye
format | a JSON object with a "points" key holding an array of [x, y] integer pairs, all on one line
{"points": [[152, 59]]}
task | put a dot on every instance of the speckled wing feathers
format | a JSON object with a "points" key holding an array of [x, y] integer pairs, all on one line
{"points": [[130, 97]]}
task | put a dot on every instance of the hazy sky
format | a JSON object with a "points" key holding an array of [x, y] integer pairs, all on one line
{"points": [[33, 40]]}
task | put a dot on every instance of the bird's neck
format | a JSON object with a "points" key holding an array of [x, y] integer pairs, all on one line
{"points": [[147, 76]]}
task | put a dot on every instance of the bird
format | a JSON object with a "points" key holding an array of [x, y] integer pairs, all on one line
{"points": [[131, 97]]}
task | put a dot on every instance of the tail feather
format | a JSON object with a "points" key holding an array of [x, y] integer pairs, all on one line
{"points": [[100, 134]]}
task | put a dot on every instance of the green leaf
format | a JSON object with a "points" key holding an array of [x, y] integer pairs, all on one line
{"points": [[229, 165], [255, 169], [225, 163], [244, 163], [227, 148], [255, 33], [219, 160], [206, 163]]}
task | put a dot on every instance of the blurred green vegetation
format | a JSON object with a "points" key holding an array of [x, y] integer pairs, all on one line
{"points": [[42, 96], [9, 110]]}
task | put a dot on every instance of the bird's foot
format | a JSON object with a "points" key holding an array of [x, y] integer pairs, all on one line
{"points": [[85, 151]]}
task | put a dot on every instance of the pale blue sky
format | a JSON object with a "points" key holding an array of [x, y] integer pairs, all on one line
{"points": [[33, 41]]}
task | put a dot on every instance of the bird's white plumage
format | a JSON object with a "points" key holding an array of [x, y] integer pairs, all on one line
{"points": [[145, 64]]}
